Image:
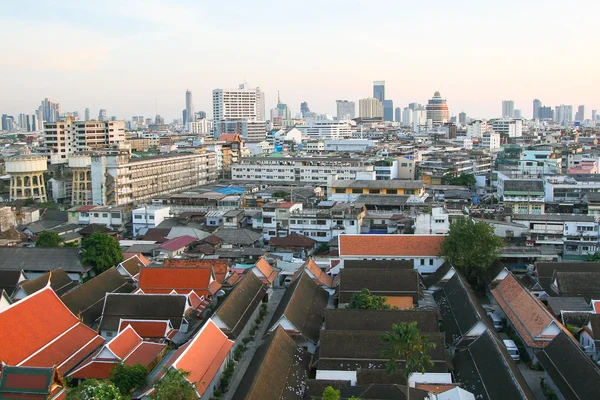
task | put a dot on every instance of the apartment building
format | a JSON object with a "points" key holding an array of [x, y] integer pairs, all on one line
{"points": [[243, 105], [70, 136], [148, 217], [349, 191], [571, 188], [524, 196], [326, 130], [512, 128], [300, 169], [118, 179]]}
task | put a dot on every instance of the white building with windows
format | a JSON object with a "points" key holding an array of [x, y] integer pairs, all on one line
{"points": [[325, 129], [148, 217], [477, 128], [490, 141], [201, 127], [509, 127], [241, 105]]}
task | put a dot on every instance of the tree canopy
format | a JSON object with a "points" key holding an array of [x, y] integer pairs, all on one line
{"points": [[331, 394], [405, 342], [364, 300], [471, 247], [93, 389], [48, 239], [467, 180], [128, 377], [174, 386], [102, 251]]}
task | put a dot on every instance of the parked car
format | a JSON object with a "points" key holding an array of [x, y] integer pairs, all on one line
{"points": [[496, 320], [513, 350]]}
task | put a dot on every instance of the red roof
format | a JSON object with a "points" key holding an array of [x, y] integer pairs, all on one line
{"points": [[86, 208], [41, 331], [288, 204], [266, 270], [319, 276], [596, 304], [390, 245], [147, 329], [125, 342], [204, 356], [145, 353], [177, 243], [182, 280], [220, 267], [230, 137]]}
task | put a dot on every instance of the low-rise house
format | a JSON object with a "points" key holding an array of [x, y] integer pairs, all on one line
{"points": [[422, 250], [240, 307], [301, 311], [86, 301], [346, 319], [544, 272], [131, 266], [312, 269], [570, 372], [567, 307], [145, 218], [220, 267], [265, 272], [233, 238], [31, 383], [28, 260], [298, 245], [234, 219], [173, 247], [58, 279], [589, 337], [486, 370], [147, 307], [39, 331], [576, 284], [278, 371]]}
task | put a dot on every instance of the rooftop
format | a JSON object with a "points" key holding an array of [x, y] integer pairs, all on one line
{"points": [[390, 245]]}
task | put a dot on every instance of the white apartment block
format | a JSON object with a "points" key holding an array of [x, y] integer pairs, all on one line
{"points": [[477, 128], [240, 105], [201, 127], [119, 180], [490, 141], [299, 169], [436, 222], [314, 146], [349, 145], [326, 130], [148, 217], [67, 137], [345, 110], [510, 127]]}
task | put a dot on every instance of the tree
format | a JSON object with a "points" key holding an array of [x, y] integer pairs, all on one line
{"points": [[593, 257], [280, 194], [467, 180], [364, 300], [93, 389], [331, 394], [128, 377], [48, 239], [102, 251], [174, 386], [471, 247], [405, 342]]}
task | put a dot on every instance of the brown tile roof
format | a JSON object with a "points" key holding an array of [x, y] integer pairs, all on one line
{"points": [[265, 268], [212, 239], [60, 282], [220, 267], [159, 235], [318, 273], [390, 245], [378, 320], [292, 240], [525, 311], [233, 279], [380, 281], [134, 264]]}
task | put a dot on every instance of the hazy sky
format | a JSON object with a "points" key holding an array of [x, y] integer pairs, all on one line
{"points": [[127, 55]]}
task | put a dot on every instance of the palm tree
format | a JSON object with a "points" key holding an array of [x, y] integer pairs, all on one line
{"points": [[405, 342]]}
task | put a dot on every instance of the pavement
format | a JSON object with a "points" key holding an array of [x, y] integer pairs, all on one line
{"points": [[531, 377], [244, 363]]}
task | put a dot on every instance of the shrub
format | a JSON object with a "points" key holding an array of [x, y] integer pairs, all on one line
{"points": [[246, 340], [218, 393], [252, 332]]}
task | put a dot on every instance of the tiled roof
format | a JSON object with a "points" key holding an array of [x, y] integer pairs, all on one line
{"points": [[177, 243], [318, 273], [40, 331], [220, 267], [233, 279], [292, 240], [266, 270], [182, 280], [9, 281], [145, 353], [28, 259], [390, 245], [134, 264], [378, 320], [204, 356], [147, 329], [125, 342], [525, 312], [29, 383], [238, 236], [583, 284], [60, 282], [380, 281]]}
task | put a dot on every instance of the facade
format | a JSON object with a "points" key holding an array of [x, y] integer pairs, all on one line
{"points": [[67, 137], [379, 90], [370, 108], [241, 104], [388, 110], [477, 128], [350, 190], [563, 114], [386, 169], [537, 104], [345, 110], [202, 127], [326, 130], [253, 131], [490, 141], [508, 127], [27, 177], [437, 110], [525, 196], [148, 217], [348, 145], [508, 109]]}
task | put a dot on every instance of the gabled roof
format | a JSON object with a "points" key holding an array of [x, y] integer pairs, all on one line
{"points": [[292, 240], [9, 280], [303, 305], [30, 383], [239, 305], [204, 356], [435, 278], [390, 245], [60, 282], [41, 331], [378, 320], [266, 270], [545, 270], [181, 280], [125, 342], [317, 273], [380, 281], [238, 236], [575, 374], [134, 264], [170, 307], [93, 228], [28, 259], [278, 371], [177, 243], [487, 371], [220, 267], [87, 300], [595, 326], [525, 311], [572, 283], [150, 329], [459, 308], [382, 391], [558, 304]]}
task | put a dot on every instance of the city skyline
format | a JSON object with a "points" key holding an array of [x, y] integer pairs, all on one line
{"points": [[125, 55]]}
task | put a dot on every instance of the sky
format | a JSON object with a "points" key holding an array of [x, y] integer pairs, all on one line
{"points": [[138, 57]]}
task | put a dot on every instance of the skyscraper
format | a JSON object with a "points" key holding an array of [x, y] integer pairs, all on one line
{"points": [[594, 115], [462, 118], [536, 108], [388, 110], [508, 109], [50, 110], [437, 110], [414, 106], [407, 116], [200, 115], [345, 109], [304, 109], [580, 114], [189, 109], [370, 108], [398, 115], [545, 113], [86, 114], [102, 115], [379, 90], [563, 114], [245, 105], [518, 114]]}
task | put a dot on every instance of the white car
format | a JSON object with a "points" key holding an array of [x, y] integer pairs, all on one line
{"points": [[513, 350]]}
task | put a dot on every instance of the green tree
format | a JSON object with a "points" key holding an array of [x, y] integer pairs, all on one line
{"points": [[467, 180], [593, 257], [364, 300], [331, 394], [280, 194], [93, 389], [174, 386], [471, 247], [128, 377], [102, 251], [48, 239], [405, 342]]}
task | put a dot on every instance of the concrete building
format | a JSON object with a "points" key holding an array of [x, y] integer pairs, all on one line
{"points": [[370, 108], [379, 90], [398, 115], [435, 222], [348, 145], [508, 109], [537, 104], [345, 110], [406, 116], [241, 104], [477, 128], [27, 177], [189, 109], [580, 114], [253, 131], [350, 190], [518, 114], [202, 127], [563, 114], [437, 110], [508, 127], [148, 217], [67, 137], [324, 129], [386, 169], [490, 141]]}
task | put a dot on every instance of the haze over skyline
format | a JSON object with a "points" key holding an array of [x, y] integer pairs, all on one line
{"points": [[128, 56]]}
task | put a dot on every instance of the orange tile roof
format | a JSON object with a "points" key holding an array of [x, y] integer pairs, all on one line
{"points": [[390, 245], [233, 279], [402, 302], [41, 331], [145, 353], [220, 267], [182, 280], [435, 388], [94, 370], [204, 356], [265, 268], [125, 342], [318, 273], [596, 304], [147, 329]]}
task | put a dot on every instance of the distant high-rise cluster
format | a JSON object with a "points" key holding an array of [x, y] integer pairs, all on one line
{"points": [[304, 109], [370, 108], [102, 116], [508, 109]]}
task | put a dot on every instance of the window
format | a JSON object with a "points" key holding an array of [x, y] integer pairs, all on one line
{"points": [[85, 215], [431, 261], [267, 220], [392, 191], [321, 234], [271, 233], [340, 190], [409, 191], [151, 217], [404, 164], [373, 191], [115, 215], [422, 261], [351, 222], [96, 215], [357, 191], [321, 222], [137, 217], [104, 215]]}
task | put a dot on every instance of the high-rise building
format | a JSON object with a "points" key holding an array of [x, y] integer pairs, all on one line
{"points": [[102, 116], [189, 109], [200, 115], [23, 122], [35, 123], [414, 106], [398, 115], [50, 110], [388, 110], [86, 114], [594, 115], [379, 90], [437, 110], [345, 109], [518, 114], [563, 114], [508, 109], [545, 113], [407, 116], [304, 109], [537, 104], [580, 114], [370, 108], [7, 123], [281, 112], [462, 118], [241, 104]]}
